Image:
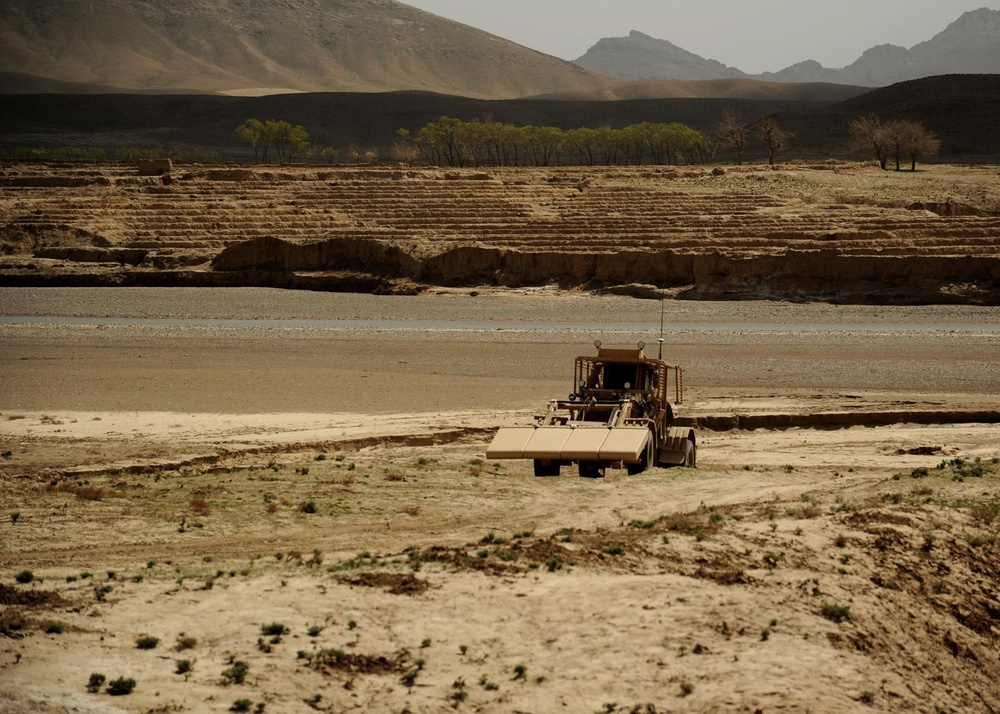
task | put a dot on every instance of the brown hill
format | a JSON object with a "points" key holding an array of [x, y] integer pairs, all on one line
{"points": [[267, 46]]}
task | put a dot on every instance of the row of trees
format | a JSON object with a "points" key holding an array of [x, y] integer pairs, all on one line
{"points": [[899, 139], [287, 141], [453, 142]]}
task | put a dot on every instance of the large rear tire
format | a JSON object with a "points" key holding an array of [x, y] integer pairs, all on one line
{"points": [[546, 468], [591, 469]]}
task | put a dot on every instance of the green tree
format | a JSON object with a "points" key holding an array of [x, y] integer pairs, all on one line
{"points": [[252, 132]]}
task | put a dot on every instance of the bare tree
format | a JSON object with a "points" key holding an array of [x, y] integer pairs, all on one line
{"points": [[919, 143], [732, 130], [774, 137], [868, 133]]}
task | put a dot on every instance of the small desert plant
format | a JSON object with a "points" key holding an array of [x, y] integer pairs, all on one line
{"points": [[425, 643], [686, 688], [520, 671], [765, 634], [185, 642], [200, 507], [308, 506], [54, 628], [274, 629], [15, 516], [315, 630], [24, 577], [236, 673], [95, 682], [612, 549], [553, 563], [835, 613], [183, 666], [410, 677], [147, 642], [121, 686], [241, 705], [867, 697]]}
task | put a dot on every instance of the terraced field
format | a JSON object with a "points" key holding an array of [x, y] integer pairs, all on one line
{"points": [[847, 233]]}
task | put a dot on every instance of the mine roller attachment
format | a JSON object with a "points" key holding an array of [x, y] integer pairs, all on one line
{"points": [[619, 415]]}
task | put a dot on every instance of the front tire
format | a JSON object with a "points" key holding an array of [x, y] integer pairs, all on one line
{"points": [[691, 455], [546, 468], [647, 459], [590, 469]]}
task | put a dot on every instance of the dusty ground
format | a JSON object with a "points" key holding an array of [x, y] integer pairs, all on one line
{"points": [[200, 483]]}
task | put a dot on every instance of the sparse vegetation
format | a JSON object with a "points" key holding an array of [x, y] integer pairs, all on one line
{"points": [[147, 642], [121, 686], [835, 613], [95, 682], [236, 673]]}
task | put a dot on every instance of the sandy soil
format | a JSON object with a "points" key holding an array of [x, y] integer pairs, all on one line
{"points": [[197, 482]]}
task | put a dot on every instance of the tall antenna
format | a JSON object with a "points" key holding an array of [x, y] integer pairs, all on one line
{"points": [[661, 329]]}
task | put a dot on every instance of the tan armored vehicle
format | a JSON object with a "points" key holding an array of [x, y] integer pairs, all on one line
{"points": [[619, 415]]}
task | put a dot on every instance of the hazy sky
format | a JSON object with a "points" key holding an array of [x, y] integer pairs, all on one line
{"points": [[753, 35]]}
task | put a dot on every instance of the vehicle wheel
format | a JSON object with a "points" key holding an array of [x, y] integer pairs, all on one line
{"points": [[647, 459], [546, 468], [589, 469], [691, 455]]}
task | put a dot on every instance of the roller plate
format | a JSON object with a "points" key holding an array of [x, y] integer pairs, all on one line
{"points": [[509, 443], [547, 442], [584, 443], [624, 444]]}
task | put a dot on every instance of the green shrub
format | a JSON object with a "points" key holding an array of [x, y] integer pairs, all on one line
{"points": [[835, 613], [241, 705], [236, 673], [54, 628], [274, 629], [24, 577], [121, 686], [147, 642], [183, 666], [95, 682]]}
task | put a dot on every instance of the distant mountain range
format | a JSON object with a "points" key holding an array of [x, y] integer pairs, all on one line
{"points": [[261, 47], [970, 45]]}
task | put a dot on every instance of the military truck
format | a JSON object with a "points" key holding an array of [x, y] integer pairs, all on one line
{"points": [[620, 414]]}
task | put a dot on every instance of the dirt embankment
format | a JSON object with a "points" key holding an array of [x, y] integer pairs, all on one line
{"points": [[847, 233]]}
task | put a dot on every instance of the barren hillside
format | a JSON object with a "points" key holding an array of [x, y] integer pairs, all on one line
{"points": [[266, 46]]}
